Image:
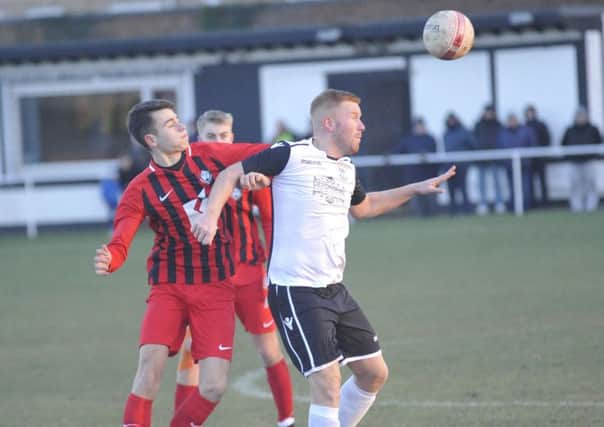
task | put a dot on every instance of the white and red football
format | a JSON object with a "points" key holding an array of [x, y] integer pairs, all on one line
{"points": [[448, 34]]}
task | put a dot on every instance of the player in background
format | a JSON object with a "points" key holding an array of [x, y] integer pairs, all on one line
{"points": [[314, 187], [189, 283], [249, 280]]}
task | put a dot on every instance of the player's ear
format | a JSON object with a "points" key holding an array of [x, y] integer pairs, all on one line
{"points": [[150, 140]]}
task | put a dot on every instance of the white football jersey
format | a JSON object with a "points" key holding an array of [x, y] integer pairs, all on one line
{"points": [[311, 199]]}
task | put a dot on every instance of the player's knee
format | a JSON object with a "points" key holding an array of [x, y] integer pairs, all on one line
{"points": [[213, 389], [328, 395], [270, 356], [381, 375], [373, 379], [149, 373], [325, 390]]}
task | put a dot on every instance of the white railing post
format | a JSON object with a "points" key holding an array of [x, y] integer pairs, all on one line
{"points": [[30, 209], [517, 183]]}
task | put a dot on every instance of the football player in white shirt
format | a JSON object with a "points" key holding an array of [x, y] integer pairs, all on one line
{"points": [[314, 187]]}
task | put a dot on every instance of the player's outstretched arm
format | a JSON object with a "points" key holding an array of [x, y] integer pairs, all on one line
{"points": [[102, 261], [379, 202], [205, 225]]}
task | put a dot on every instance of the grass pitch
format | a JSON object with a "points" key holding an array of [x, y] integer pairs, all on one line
{"points": [[490, 321]]}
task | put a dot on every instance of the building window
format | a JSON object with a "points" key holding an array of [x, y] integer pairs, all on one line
{"points": [[81, 127]]}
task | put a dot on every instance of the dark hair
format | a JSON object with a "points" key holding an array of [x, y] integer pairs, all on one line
{"points": [[140, 122]]}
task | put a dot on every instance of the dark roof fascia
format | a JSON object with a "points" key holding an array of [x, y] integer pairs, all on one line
{"points": [[225, 41]]}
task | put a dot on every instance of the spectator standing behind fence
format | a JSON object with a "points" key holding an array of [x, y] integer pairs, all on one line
{"points": [[517, 135], [583, 189], [283, 132], [486, 132], [419, 141], [129, 165], [458, 138], [538, 164]]}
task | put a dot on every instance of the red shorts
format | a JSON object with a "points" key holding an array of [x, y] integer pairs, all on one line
{"points": [[208, 310], [251, 304]]}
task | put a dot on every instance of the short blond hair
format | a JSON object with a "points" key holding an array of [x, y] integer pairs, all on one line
{"points": [[214, 116], [330, 98]]}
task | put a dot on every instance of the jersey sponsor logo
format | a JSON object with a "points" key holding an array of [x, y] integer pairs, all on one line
{"points": [[224, 347], [165, 196], [267, 324], [330, 190], [289, 322], [206, 176], [310, 162]]}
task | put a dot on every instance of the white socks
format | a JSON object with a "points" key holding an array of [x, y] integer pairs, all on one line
{"points": [[354, 403], [322, 416]]}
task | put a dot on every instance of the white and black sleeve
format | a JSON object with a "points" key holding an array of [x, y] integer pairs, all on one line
{"points": [[269, 162]]}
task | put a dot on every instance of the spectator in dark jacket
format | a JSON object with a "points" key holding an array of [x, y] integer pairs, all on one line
{"points": [[584, 193], [458, 138], [517, 135], [419, 141], [486, 132], [538, 165]]}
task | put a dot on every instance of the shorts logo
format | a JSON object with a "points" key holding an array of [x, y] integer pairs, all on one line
{"points": [[267, 324], [375, 338], [223, 347], [289, 322]]}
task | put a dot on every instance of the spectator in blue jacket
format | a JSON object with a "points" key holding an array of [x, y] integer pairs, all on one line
{"points": [[517, 135], [458, 138]]}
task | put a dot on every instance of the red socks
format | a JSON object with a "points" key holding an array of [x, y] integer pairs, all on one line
{"points": [[138, 411], [193, 411], [182, 393], [281, 386]]}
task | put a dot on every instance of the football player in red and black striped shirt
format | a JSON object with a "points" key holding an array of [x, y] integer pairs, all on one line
{"points": [[190, 283], [250, 293]]}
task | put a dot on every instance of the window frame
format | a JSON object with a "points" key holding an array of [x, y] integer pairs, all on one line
{"points": [[12, 92]]}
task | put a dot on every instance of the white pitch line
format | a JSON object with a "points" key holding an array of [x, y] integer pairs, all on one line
{"points": [[246, 385], [490, 404]]}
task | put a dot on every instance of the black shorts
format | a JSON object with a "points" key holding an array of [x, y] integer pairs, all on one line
{"points": [[320, 326]]}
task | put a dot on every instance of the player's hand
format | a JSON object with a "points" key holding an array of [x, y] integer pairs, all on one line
{"points": [[254, 181], [432, 185], [204, 228], [102, 261]]}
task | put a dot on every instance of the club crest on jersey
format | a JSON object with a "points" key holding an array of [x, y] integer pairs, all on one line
{"points": [[236, 194], [206, 176]]}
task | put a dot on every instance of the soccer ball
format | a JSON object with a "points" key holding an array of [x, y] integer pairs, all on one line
{"points": [[448, 34]]}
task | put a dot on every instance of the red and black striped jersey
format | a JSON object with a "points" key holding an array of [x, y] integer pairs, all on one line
{"points": [[170, 198], [249, 248]]}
